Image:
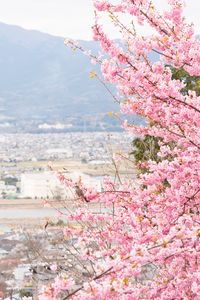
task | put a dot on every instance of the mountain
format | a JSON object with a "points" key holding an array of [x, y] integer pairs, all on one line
{"points": [[43, 81]]}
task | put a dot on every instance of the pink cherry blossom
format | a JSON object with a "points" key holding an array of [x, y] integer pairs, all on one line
{"points": [[144, 242]]}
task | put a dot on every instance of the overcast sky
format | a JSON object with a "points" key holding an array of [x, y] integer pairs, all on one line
{"points": [[67, 18]]}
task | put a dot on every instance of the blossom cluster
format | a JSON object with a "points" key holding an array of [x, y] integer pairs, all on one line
{"points": [[145, 244]]}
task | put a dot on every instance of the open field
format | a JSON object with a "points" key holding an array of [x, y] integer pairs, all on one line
{"points": [[98, 169], [124, 167], [21, 203]]}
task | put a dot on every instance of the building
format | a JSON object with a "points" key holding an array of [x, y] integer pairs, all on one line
{"points": [[41, 185], [46, 185]]}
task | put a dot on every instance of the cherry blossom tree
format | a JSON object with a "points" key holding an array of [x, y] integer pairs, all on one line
{"points": [[144, 244], [147, 147]]}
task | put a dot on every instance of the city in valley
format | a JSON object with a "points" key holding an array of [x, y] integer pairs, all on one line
{"points": [[27, 159], [28, 179]]}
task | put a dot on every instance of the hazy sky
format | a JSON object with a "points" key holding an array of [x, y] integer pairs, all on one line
{"points": [[68, 18]]}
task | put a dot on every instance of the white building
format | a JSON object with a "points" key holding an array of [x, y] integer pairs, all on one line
{"points": [[41, 185], [47, 185]]}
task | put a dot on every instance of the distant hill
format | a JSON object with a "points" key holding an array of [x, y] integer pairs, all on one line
{"points": [[41, 79]]}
